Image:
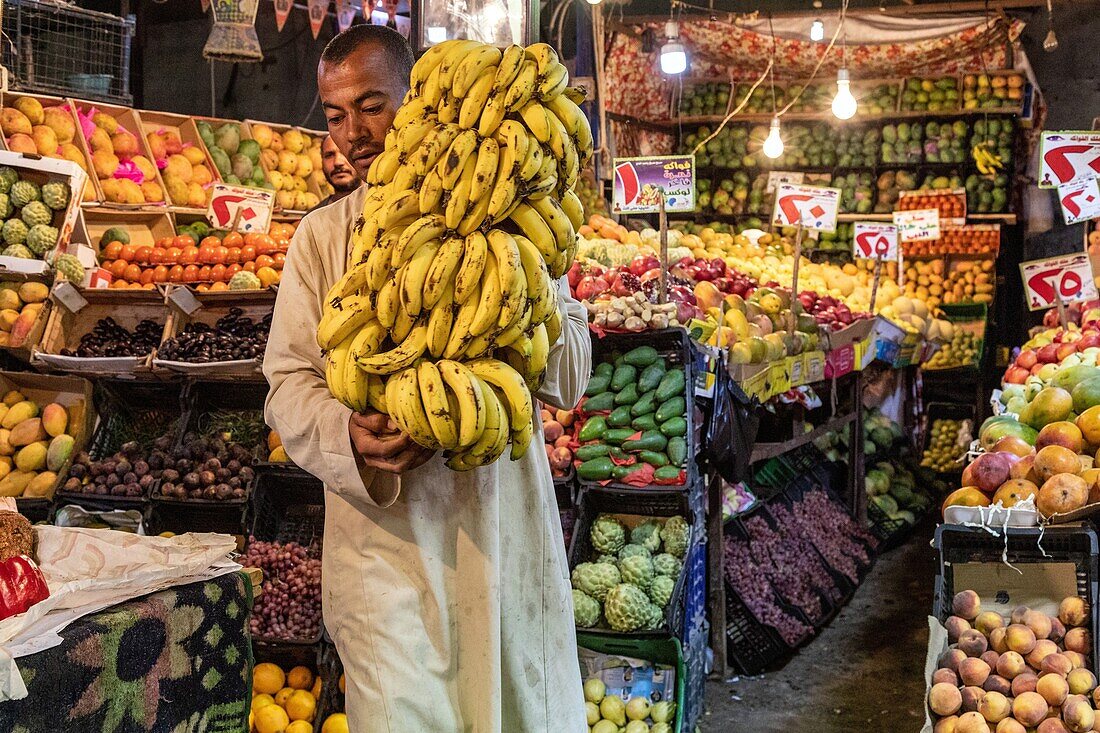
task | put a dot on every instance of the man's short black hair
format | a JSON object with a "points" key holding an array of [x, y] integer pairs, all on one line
{"points": [[390, 41]]}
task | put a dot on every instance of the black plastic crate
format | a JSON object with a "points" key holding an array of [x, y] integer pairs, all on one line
{"points": [[604, 501], [135, 411], [890, 532], [180, 517], [331, 669], [947, 411], [834, 592], [288, 656], [736, 528], [233, 409], [674, 345], [288, 507], [752, 647]]}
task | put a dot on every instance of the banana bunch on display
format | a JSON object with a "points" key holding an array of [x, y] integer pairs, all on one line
{"points": [[445, 316], [986, 158]]}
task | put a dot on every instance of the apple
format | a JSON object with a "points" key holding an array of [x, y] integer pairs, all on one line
{"points": [[1027, 359]]}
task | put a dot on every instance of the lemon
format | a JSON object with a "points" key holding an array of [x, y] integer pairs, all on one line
{"points": [[268, 677], [300, 678], [335, 723], [299, 726], [262, 701], [301, 706], [283, 695], [271, 719]]}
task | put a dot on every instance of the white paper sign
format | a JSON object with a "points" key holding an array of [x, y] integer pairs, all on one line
{"points": [[922, 225], [874, 241], [250, 208], [814, 207], [1080, 201], [1069, 276], [1067, 156], [777, 177]]}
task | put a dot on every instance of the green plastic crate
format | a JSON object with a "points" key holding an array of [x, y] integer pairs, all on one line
{"points": [[660, 650]]}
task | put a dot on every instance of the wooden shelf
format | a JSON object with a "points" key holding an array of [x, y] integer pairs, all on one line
{"points": [[763, 451], [828, 116], [1007, 219]]}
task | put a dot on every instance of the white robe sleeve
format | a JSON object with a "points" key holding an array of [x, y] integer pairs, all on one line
{"points": [[311, 423], [570, 362]]}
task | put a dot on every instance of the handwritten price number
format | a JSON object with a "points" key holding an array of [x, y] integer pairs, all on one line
{"points": [[1069, 284]]}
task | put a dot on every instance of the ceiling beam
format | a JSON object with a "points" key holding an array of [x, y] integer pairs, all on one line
{"points": [[931, 8]]}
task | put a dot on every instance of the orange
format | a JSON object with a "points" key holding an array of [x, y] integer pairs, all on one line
{"points": [[261, 701], [283, 695], [335, 723], [268, 678], [268, 276], [300, 726], [301, 705], [271, 719], [300, 678]]}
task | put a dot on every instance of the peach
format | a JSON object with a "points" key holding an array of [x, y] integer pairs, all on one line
{"points": [[1020, 638], [1058, 664], [1043, 648], [994, 707], [1057, 630], [972, 722], [945, 675], [1078, 714], [1081, 681], [997, 640], [1096, 698], [1024, 682], [1053, 688], [973, 643], [1010, 725], [973, 671], [1029, 708], [971, 697], [1039, 623], [997, 683], [944, 699], [946, 725], [1011, 665], [1073, 611], [987, 621], [1077, 658], [1077, 640], [955, 625], [991, 658], [1018, 613], [967, 605], [950, 659], [1052, 725]]}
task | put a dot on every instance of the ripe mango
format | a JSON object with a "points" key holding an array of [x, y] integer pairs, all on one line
{"points": [[41, 486], [23, 325], [55, 419], [7, 319], [18, 412], [27, 432], [45, 140], [15, 483], [61, 121], [32, 108], [194, 155], [13, 121], [30, 292], [32, 457], [20, 143], [5, 466], [6, 448], [59, 451]]}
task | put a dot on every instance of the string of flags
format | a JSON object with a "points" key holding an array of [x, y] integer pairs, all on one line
{"points": [[346, 12]]}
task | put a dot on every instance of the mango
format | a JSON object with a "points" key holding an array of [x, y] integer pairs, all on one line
{"points": [[1070, 377], [1052, 404], [13, 121], [59, 451], [32, 457], [20, 143], [61, 121], [6, 448], [9, 300], [19, 412], [31, 108], [24, 324], [41, 486], [45, 140], [8, 317], [32, 292], [14, 396], [105, 121], [27, 432], [55, 419], [5, 466], [15, 482]]}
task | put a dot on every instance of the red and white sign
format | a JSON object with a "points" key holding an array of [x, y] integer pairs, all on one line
{"points": [[921, 225], [1067, 276], [814, 207], [241, 208], [1080, 201], [873, 241], [1068, 156]]}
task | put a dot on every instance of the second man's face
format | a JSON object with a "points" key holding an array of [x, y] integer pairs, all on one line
{"points": [[338, 171]]}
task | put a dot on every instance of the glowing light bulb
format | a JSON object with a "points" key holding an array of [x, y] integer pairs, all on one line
{"points": [[673, 56], [817, 30], [844, 104], [773, 145], [436, 34], [594, 2]]}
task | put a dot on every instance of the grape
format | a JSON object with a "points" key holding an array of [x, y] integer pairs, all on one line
{"points": [[290, 605], [840, 540], [753, 589]]}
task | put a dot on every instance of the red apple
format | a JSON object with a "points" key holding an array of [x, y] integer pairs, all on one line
{"points": [[1027, 359], [989, 470], [1048, 354], [1065, 350], [1016, 375]]}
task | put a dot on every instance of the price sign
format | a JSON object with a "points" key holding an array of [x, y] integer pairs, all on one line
{"points": [[922, 225], [814, 207], [1080, 201], [1068, 156], [873, 241], [640, 182], [241, 208], [1066, 278], [777, 177]]}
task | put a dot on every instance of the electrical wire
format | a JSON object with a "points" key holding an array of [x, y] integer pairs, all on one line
{"points": [[821, 61], [737, 109]]}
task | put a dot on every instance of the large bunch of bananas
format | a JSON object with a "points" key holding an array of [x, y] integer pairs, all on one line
{"points": [[445, 316], [986, 158]]}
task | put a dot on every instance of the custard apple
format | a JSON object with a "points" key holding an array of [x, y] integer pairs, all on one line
{"points": [[70, 267], [14, 231], [637, 570], [676, 535], [654, 617], [8, 177], [244, 280], [586, 610], [41, 238], [647, 534], [595, 579], [609, 559], [17, 250], [36, 212], [608, 534], [666, 564], [660, 591], [6, 209], [631, 550], [23, 192], [626, 607], [56, 195]]}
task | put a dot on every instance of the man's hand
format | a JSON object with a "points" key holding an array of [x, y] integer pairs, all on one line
{"points": [[381, 444]]}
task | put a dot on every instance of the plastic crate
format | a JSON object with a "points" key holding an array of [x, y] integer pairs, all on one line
{"points": [[947, 411], [737, 528], [674, 345], [696, 648], [631, 504], [667, 651], [236, 408], [890, 532], [288, 507], [751, 646], [182, 516], [695, 587], [835, 593], [135, 411], [796, 492]]}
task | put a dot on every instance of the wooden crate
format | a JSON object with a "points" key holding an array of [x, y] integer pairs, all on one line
{"points": [[7, 99], [25, 350], [188, 133], [128, 120], [268, 166]]}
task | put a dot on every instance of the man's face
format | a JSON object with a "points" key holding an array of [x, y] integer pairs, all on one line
{"points": [[360, 97], [338, 170]]}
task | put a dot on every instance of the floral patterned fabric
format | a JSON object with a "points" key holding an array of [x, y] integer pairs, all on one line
{"points": [[178, 661]]}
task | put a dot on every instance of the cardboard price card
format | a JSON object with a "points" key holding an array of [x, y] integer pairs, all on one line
{"points": [[873, 241], [241, 208], [1080, 201], [777, 177], [640, 182], [1066, 276], [813, 207], [922, 225], [1068, 156]]}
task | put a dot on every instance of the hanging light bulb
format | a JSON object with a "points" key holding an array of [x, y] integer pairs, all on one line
{"points": [[817, 30], [844, 104], [594, 2], [773, 145], [673, 56], [1050, 43]]}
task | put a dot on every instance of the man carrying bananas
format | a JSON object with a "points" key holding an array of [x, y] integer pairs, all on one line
{"points": [[446, 592]]}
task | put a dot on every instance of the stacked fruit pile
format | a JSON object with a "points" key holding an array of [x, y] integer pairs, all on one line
{"points": [[29, 212], [902, 143], [224, 145], [35, 444], [893, 490], [794, 570], [286, 701], [930, 95], [292, 160], [948, 441], [108, 338], [969, 281], [233, 337], [993, 91], [707, 98], [963, 348], [120, 160], [558, 435], [1034, 671], [755, 591], [47, 131], [946, 142], [609, 714], [208, 468], [950, 205], [445, 315], [186, 175], [629, 580], [876, 100], [968, 239], [20, 306]]}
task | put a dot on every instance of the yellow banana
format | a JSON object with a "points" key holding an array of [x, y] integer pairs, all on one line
{"points": [[378, 261], [430, 90], [495, 425], [573, 208], [431, 191], [514, 298], [404, 205], [437, 142], [533, 162], [440, 321], [408, 409], [475, 217], [553, 326], [576, 95], [540, 187], [520, 438], [488, 310], [427, 63], [484, 59], [365, 237], [414, 109], [466, 390], [492, 115], [460, 332], [349, 284], [535, 118], [420, 232], [403, 326], [548, 208], [485, 170], [409, 350], [511, 62], [553, 81], [504, 195], [411, 135], [517, 329], [470, 111], [449, 107], [388, 303], [513, 140], [386, 161], [406, 179], [458, 204], [356, 385], [416, 272], [534, 270], [368, 340], [479, 345], [452, 164], [376, 392], [510, 383], [442, 270], [433, 393], [521, 90], [341, 318], [452, 59], [535, 228], [567, 112], [334, 369], [473, 264], [506, 254], [564, 150], [540, 357], [543, 55]]}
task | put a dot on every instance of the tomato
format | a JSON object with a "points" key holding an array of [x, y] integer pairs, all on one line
{"points": [[143, 254], [189, 256], [232, 255], [111, 251], [210, 241], [132, 273], [164, 242], [204, 273], [282, 244], [172, 255], [248, 252], [128, 252], [118, 269], [160, 274], [250, 266], [190, 273], [218, 287], [233, 239], [250, 238], [220, 255], [264, 244], [156, 256], [183, 240], [206, 255], [279, 258], [217, 273], [175, 274], [232, 270], [264, 261], [146, 276]]}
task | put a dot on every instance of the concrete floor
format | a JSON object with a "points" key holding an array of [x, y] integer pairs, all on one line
{"points": [[864, 672]]}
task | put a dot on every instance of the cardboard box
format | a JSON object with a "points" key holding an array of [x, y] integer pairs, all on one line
{"points": [[184, 127], [128, 120], [187, 307], [8, 99], [42, 171]]}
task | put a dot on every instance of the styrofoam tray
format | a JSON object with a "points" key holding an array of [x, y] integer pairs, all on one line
{"points": [[994, 517], [94, 364], [240, 367]]}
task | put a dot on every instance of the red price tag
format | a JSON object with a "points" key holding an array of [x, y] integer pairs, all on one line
{"points": [[873, 241], [1068, 277], [814, 207], [246, 209], [1067, 156]]}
